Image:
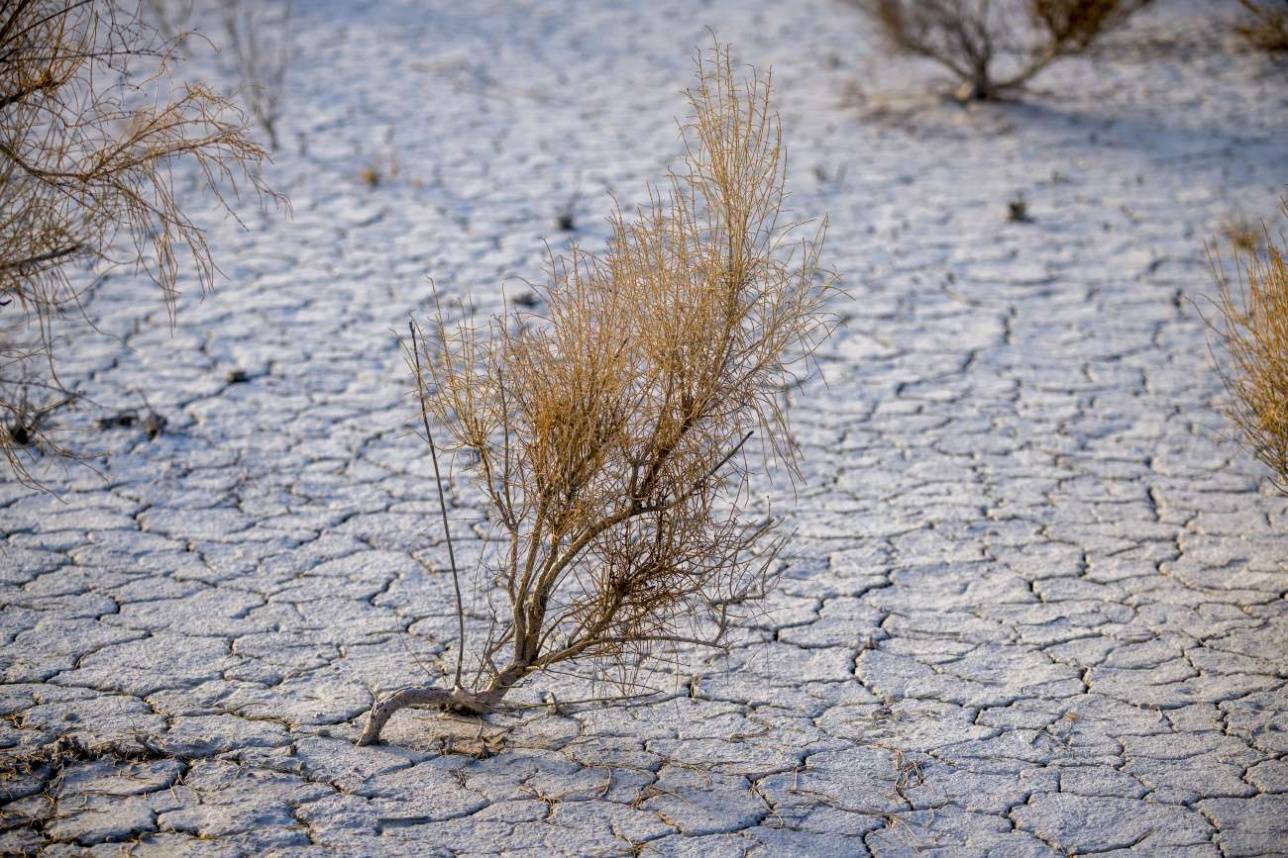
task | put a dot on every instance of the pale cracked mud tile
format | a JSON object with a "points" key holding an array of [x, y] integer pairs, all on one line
{"points": [[1034, 602]]}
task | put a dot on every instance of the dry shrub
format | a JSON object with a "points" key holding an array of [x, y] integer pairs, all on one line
{"points": [[1243, 234], [995, 47], [90, 129], [1265, 25], [1253, 328], [610, 432]]}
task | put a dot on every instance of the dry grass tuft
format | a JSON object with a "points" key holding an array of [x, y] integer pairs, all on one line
{"points": [[1265, 25], [1244, 235], [1253, 329], [610, 431], [90, 129], [1017, 210], [995, 48]]}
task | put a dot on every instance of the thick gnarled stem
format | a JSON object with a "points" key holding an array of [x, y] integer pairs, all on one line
{"points": [[457, 700]]}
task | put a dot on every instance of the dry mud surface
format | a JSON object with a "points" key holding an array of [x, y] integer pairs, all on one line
{"points": [[1035, 604]]}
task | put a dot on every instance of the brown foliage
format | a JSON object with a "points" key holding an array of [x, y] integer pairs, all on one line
{"points": [[1244, 235], [90, 128], [1265, 25], [609, 431], [995, 48], [1253, 329]]}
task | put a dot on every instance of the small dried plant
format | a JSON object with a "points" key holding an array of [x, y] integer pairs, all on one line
{"points": [[610, 432], [91, 126], [995, 48], [1253, 329], [1265, 25], [1243, 234], [260, 46], [1017, 210]]}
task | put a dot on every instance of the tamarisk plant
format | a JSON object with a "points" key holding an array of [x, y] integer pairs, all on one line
{"points": [[995, 48], [610, 432], [92, 128], [1253, 331]]}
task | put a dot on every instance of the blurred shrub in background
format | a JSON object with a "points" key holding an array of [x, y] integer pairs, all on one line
{"points": [[259, 44], [1265, 25], [994, 47]]}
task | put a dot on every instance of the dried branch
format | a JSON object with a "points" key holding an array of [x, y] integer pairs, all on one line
{"points": [[171, 19], [1265, 25]]}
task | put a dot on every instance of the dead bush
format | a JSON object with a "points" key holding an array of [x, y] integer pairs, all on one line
{"points": [[91, 126], [994, 47], [610, 431], [1265, 25], [1253, 330]]}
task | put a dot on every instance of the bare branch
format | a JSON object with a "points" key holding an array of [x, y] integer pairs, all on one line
{"points": [[442, 506]]}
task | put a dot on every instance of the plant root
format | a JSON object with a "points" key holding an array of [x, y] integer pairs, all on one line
{"points": [[458, 700]]}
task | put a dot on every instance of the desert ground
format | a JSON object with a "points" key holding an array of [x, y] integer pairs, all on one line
{"points": [[1034, 602]]}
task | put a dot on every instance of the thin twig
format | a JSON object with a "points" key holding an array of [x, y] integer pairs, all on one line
{"points": [[442, 506]]}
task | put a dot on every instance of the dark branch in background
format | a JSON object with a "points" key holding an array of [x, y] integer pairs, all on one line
{"points": [[47, 256], [1265, 25], [995, 47], [260, 42]]}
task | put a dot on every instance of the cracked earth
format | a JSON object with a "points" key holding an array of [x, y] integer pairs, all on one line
{"points": [[1035, 602]]}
